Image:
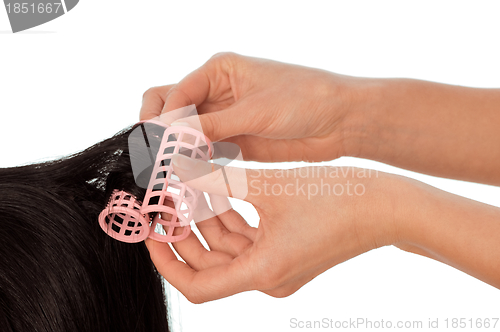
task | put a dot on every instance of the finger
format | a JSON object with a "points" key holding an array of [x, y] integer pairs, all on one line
{"points": [[211, 81], [233, 121], [197, 256], [153, 101], [196, 87], [214, 179], [191, 249], [210, 226], [192, 89], [204, 285], [218, 237], [231, 219]]}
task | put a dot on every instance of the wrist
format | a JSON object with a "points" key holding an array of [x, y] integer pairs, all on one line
{"points": [[379, 216], [364, 96], [370, 125], [392, 210], [414, 202]]}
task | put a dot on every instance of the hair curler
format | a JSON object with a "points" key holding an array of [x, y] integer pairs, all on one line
{"points": [[167, 201]]}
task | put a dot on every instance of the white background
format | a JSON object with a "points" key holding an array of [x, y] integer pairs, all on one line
{"points": [[79, 79]]}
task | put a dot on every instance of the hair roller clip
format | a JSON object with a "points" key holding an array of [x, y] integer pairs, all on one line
{"points": [[167, 201]]}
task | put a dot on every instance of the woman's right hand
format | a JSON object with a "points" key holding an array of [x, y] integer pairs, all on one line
{"points": [[273, 111], [311, 219]]}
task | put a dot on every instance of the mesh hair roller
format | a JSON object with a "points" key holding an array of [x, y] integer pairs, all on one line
{"points": [[168, 202]]}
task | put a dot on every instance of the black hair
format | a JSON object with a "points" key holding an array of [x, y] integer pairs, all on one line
{"points": [[58, 270]]}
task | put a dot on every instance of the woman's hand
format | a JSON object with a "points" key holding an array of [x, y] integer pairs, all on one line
{"points": [[273, 111], [282, 112], [314, 218], [310, 220]]}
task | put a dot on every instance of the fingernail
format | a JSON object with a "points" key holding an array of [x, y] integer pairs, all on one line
{"points": [[179, 124], [183, 162]]}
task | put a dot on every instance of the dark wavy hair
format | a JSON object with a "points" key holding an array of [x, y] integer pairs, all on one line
{"points": [[58, 270]]}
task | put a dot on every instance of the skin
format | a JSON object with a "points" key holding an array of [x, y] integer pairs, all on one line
{"points": [[282, 112]]}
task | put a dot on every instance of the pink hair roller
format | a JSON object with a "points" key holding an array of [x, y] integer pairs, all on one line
{"points": [[122, 219], [127, 220]]}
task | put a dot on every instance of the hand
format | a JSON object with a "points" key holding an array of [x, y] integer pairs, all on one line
{"points": [[302, 232], [282, 112], [273, 111]]}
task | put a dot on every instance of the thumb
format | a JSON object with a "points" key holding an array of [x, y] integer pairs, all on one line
{"points": [[220, 124], [211, 178]]}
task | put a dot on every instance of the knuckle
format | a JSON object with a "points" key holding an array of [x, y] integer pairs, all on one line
{"points": [[242, 228], [203, 260], [185, 97], [242, 248], [222, 55], [223, 60], [149, 92], [222, 237], [281, 292], [194, 297], [211, 125]]}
